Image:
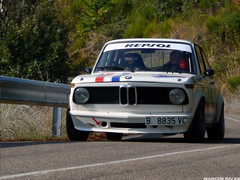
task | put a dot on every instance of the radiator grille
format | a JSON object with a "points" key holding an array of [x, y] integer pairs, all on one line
{"points": [[103, 95], [153, 95], [129, 95]]}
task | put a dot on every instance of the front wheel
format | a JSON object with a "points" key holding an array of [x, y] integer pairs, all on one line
{"points": [[217, 131], [74, 134], [114, 136], [196, 131]]}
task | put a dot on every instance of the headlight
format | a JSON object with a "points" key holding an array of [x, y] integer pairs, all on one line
{"points": [[177, 96], [81, 95]]}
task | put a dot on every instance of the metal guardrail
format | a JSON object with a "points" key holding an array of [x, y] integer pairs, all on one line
{"points": [[24, 91], [31, 92]]}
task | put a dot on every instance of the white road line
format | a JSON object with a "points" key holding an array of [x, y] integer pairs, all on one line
{"points": [[44, 172], [233, 119]]}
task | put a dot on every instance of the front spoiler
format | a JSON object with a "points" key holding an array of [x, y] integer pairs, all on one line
{"points": [[102, 122]]}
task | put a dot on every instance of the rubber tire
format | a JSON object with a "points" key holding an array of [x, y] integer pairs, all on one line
{"points": [[217, 131], [114, 136], [74, 134], [197, 129]]}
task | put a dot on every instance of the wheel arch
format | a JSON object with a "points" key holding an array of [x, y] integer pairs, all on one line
{"points": [[199, 96]]}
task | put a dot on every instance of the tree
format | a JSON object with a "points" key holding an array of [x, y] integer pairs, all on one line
{"points": [[33, 40]]}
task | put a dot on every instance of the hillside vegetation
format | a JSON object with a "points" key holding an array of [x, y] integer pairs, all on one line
{"points": [[56, 39], [53, 40]]}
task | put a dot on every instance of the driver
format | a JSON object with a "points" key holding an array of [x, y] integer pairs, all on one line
{"points": [[177, 61]]}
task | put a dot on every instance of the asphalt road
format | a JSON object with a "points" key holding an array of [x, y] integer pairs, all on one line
{"points": [[135, 157]]}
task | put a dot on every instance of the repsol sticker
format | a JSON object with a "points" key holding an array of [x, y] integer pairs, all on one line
{"points": [[148, 45]]}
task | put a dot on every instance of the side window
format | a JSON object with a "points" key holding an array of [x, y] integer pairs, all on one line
{"points": [[200, 60], [205, 60]]}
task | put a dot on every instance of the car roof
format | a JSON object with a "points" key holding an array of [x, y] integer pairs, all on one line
{"points": [[150, 40]]}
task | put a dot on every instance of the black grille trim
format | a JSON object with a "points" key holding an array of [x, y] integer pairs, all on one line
{"points": [[128, 95], [103, 95], [157, 95], [153, 95]]}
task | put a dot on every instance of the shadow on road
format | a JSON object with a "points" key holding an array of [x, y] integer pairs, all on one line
{"points": [[30, 143], [148, 138], [175, 139]]}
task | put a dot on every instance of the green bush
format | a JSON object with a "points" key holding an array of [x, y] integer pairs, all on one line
{"points": [[168, 9], [213, 22], [234, 83], [136, 28], [165, 28], [35, 46], [214, 26], [115, 29], [225, 28], [151, 17], [231, 25], [207, 3]]}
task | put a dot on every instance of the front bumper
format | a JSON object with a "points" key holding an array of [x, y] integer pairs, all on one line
{"points": [[126, 122]]}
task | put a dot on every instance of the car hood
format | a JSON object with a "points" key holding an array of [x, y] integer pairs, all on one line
{"points": [[135, 77]]}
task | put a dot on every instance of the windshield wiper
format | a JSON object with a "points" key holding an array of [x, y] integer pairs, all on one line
{"points": [[171, 70], [110, 68]]}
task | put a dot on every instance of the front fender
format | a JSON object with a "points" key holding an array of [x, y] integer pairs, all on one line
{"points": [[198, 95]]}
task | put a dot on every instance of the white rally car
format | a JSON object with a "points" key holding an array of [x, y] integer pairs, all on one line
{"points": [[161, 86]]}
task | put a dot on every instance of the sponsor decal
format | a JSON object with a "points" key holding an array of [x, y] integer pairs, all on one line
{"points": [[114, 78], [146, 45], [117, 78], [98, 123], [101, 78], [162, 76]]}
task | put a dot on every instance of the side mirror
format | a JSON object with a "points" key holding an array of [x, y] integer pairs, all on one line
{"points": [[209, 72], [88, 70]]}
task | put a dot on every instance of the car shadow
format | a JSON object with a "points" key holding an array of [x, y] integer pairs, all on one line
{"points": [[30, 143], [148, 138], [175, 139]]}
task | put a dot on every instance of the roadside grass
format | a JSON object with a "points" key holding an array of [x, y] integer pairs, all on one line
{"points": [[232, 101], [29, 123], [32, 123]]}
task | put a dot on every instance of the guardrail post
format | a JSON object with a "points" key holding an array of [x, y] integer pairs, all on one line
{"points": [[57, 122]]}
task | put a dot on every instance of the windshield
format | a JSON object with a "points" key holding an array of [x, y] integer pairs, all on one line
{"points": [[167, 57]]}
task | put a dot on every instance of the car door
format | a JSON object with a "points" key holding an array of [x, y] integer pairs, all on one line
{"points": [[213, 92], [208, 85]]}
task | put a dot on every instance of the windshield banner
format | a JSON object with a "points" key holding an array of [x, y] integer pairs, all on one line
{"points": [[146, 45]]}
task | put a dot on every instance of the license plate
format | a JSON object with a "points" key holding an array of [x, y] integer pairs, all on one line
{"points": [[165, 120]]}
